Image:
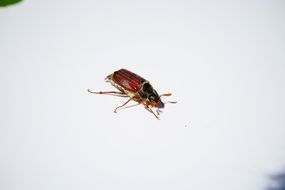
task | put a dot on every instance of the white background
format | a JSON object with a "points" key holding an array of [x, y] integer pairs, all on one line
{"points": [[222, 60]]}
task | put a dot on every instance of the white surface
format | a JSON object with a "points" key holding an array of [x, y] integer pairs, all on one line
{"points": [[223, 62]]}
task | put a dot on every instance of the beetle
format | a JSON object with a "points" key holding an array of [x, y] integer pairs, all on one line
{"points": [[136, 88]]}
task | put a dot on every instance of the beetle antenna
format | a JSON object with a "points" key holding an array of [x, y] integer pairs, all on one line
{"points": [[166, 94], [171, 102]]}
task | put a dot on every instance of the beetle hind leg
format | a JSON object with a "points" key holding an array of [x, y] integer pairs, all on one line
{"points": [[112, 93]]}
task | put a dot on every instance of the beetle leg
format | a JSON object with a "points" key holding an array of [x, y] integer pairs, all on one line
{"points": [[122, 105], [129, 106], [150, 110], [112, 93]]}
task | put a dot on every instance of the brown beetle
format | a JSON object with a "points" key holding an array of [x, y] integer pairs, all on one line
{"points": [[136, 88]]}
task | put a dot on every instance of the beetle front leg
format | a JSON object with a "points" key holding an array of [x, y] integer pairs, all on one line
{"points": [[150, 110], [122, 105]]}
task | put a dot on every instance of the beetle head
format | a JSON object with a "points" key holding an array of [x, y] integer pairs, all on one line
{"points": [[155, 100], [159, 104]]}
